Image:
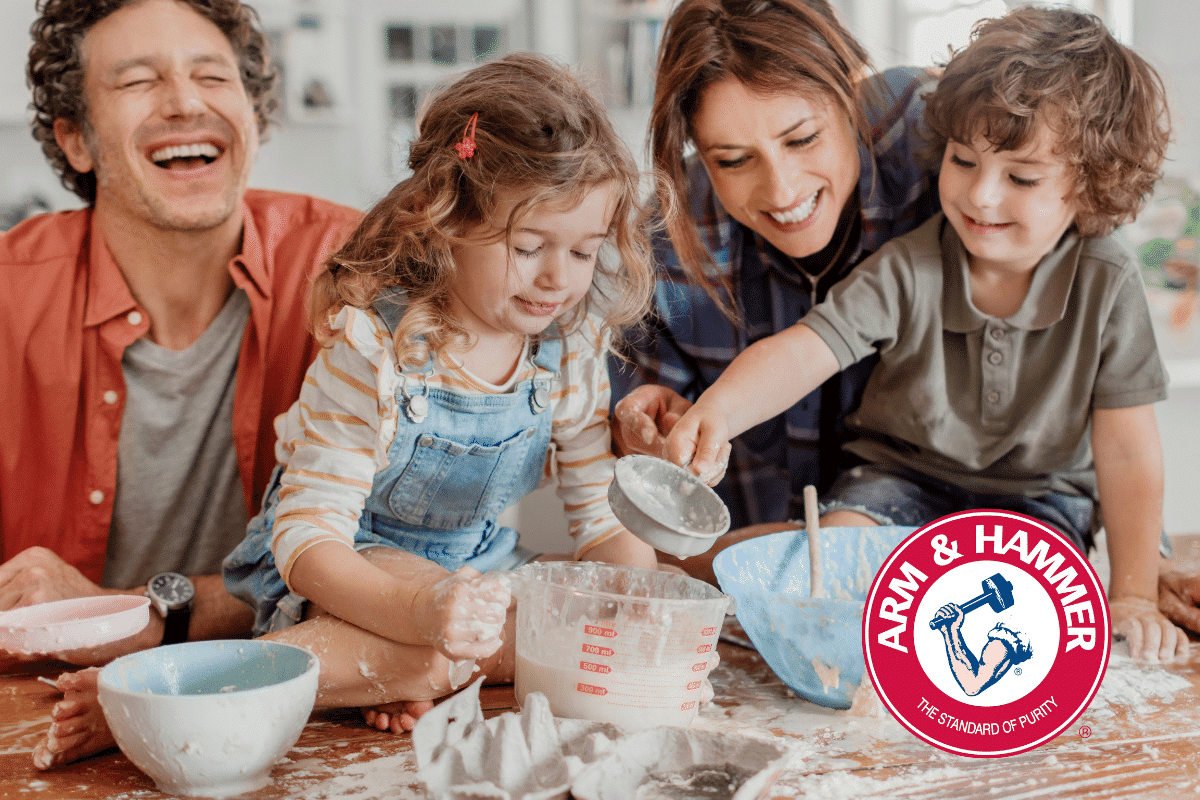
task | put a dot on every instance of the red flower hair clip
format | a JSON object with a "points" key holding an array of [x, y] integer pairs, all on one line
{"points": [[466, 148]]}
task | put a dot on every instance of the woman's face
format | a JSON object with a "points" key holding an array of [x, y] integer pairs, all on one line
{"points": [[784, 165]]}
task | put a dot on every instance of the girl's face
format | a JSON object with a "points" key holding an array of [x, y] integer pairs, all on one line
{"points": [[784, 165], [516, 288], [1010, 207]]}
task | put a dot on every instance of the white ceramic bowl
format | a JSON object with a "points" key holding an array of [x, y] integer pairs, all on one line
{"points": [[73, 624], [666, 506], [209, 719]]}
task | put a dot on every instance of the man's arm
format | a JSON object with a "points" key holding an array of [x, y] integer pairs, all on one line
{"points": [[38, 575]]}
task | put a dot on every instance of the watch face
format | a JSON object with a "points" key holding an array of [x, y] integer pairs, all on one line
{"points": [[173, 588]]}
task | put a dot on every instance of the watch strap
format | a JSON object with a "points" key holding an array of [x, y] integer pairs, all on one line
{"points": [[175, 625]]}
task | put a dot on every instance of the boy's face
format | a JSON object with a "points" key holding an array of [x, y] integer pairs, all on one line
{"points": [[1010, 208]]}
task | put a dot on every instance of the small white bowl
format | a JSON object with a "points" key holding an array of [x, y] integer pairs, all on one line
{"points": [[666, 506], [73, 624], [209, 719]]}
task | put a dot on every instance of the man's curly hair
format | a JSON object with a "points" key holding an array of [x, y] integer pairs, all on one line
{"points": [[55, 69]]}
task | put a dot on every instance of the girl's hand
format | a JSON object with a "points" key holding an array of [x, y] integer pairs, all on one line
{"points": [[1151, 635], [465, 613], [700, 441]]}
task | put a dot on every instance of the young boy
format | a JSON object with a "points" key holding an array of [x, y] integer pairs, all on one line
{"points": [[1017, 360]]}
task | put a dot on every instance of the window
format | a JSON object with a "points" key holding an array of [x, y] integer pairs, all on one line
{"points": [[488, 41], [443, 49], [399, 43], [402, 100]]}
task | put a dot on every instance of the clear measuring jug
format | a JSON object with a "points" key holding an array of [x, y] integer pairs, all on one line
{"points": [[616, 644]]}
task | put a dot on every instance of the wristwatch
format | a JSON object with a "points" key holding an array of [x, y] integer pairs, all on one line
{"points": [[171, 595]]}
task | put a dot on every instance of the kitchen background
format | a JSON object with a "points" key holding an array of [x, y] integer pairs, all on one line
{"points": [[355, 73]]}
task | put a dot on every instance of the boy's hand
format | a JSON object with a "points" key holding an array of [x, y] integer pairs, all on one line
{"points": [[1179, 598], [1151, 636], [700, 441], [465, 613]]}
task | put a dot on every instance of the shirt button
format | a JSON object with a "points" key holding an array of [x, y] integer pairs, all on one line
{"points": [[997, 333], [993, 397], [135, 318], [426, 441], [995, 358], [111, 397], [96, 497]]}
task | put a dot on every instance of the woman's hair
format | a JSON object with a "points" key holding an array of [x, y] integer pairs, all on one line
{"points": [[55, 69], [771, 46], [540, 134], [1105, 105]]}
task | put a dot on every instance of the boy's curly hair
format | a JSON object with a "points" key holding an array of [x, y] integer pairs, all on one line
{"points": [[539, 134], [55, 69], [1105, 105]]}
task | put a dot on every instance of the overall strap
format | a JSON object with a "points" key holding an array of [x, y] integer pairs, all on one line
{"points": [[547, 352]]}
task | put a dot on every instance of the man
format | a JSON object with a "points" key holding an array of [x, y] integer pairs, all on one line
{"points": [[148, 341]]}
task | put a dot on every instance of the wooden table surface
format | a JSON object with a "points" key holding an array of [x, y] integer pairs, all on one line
{"points": [[1139, 738]]}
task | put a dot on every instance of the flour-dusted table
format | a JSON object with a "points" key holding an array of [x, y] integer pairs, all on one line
{"points": [[1139, 738]]}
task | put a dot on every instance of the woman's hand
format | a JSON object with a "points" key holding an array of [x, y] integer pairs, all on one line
{"points": [[465, 613], [643, 419], [1151, 635]]}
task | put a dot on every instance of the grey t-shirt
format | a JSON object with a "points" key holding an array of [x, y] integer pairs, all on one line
{"points": [[992, 405], [179, 504]]}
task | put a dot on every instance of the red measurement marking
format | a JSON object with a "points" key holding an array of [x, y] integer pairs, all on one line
{"points": [[688, 706], [704, 648], [596, 630], [693, 686], [708, 631], [587, 688], [588, 666], [700, 666], [597, 650]]}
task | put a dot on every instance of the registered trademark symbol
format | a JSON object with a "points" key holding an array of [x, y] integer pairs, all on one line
{"points": [[1017, 671], [1085, 731]]}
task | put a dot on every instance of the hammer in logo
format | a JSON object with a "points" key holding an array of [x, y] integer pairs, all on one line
{"points": [[997, 593]]}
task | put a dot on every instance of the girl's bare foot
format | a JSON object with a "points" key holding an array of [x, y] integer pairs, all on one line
{"points": [[396, 717], [77, 725]]}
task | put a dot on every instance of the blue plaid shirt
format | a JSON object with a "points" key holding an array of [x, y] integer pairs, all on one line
{"points": [[688, 341]]}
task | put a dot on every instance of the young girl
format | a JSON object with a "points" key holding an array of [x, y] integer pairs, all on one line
{"points": [[465, 327]]}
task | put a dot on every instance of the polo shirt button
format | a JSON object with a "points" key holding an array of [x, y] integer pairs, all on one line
{"points": [[993, 397], [135, 318], [997, 333], [96, 497], [111, 397], [995, 357]]}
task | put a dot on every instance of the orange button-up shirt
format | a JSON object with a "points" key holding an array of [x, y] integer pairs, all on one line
{"points": [[66, 317]]}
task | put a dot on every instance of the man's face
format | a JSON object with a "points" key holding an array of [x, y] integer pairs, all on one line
{"points": [[171, 132]]}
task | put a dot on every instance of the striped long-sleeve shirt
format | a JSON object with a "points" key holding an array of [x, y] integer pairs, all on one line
{"points": [[336, 437]]}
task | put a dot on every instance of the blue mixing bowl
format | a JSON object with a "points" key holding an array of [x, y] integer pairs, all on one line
{"points": [[813, 645]]}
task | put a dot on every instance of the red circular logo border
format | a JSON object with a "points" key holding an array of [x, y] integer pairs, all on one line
{"points": [[905, 664]]}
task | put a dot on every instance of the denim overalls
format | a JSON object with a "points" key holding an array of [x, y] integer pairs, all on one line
{"points": [[448, 477]]}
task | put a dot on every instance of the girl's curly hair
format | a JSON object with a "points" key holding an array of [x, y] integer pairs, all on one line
{"points": [[55, 69], [1105, 105], [539, 134]]}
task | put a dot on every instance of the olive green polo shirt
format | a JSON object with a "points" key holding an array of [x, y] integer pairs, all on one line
{"points": [[992, 405]]}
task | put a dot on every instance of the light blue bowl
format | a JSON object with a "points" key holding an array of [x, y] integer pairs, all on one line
{"points": [[209, 718], [814, 646]]}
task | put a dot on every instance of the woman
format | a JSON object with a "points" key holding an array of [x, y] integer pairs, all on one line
{"points": [[805, 162]]}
